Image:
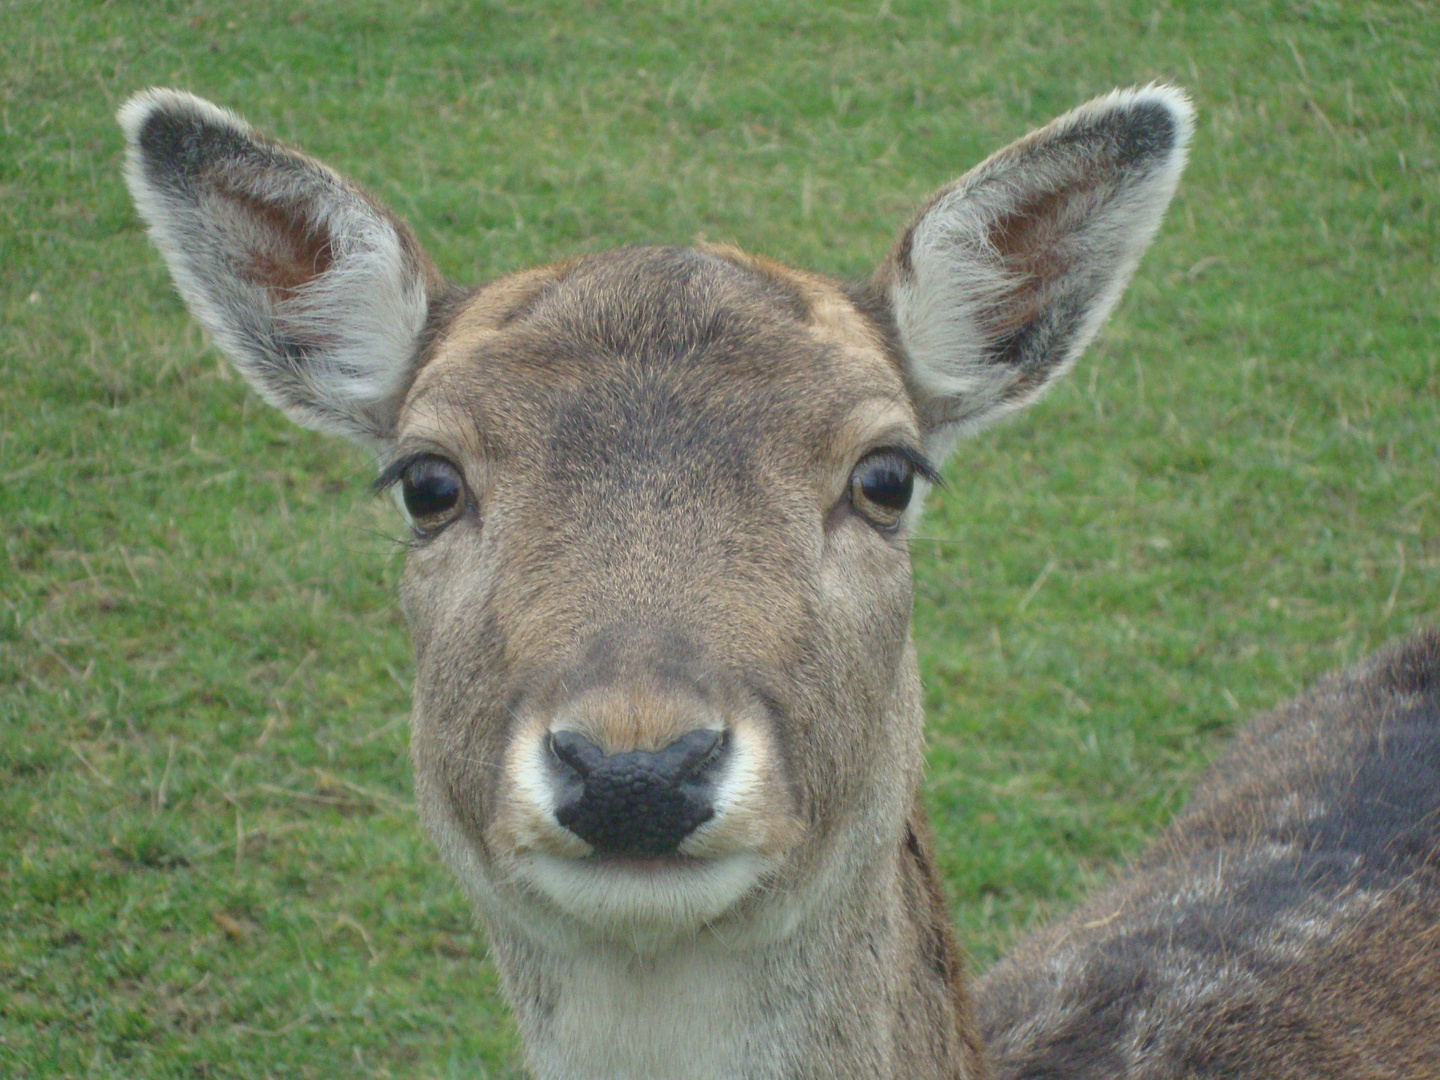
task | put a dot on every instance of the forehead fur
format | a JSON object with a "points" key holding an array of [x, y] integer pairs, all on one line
{"points": [[655, 337]]}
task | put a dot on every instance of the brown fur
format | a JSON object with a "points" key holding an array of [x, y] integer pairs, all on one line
{"points": [[1285, 927]]}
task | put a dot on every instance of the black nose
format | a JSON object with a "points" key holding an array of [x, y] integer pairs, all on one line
{"points": [[638, 804]]}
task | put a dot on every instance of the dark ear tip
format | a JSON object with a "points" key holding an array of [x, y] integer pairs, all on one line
{"points": [[1150, 122], [1142, 128], [172, 133]]}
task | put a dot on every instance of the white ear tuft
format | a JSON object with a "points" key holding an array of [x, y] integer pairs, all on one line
{"points": [[318, 295], [1006, 275]]}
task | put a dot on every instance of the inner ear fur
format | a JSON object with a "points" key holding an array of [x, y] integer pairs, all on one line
{"points": [[1004, 276], [319, 296]]}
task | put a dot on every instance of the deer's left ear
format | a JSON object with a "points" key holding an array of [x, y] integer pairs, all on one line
{"points": [[1004, 276]]}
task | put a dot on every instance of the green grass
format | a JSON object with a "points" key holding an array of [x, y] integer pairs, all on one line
{"points": [[208, 861]]}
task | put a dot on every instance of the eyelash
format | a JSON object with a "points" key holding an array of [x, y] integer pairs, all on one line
{"points": [[918, 461], [394, 472]]}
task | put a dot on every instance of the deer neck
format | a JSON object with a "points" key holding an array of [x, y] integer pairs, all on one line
{"points": [[861, 980]]}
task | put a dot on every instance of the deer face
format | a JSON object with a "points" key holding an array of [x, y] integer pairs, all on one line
{"points": [[659, 589], [661, 602]]}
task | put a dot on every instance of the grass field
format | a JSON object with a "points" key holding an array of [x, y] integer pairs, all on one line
{"points": [[209, 864]]}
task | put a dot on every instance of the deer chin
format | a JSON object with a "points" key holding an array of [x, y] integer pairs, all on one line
{"points": [[666, 897]]}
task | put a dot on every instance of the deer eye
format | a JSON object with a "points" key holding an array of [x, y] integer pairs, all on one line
{"points": [[881, 487], [433, 492]]}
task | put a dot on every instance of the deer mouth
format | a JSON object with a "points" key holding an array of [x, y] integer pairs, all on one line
{"points": [[677, 892], [642, 867], [619, 868]]}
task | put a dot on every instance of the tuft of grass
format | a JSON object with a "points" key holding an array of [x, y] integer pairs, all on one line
{"points": [[208, 861]]}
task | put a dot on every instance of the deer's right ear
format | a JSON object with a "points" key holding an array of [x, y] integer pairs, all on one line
{"points": [[1004, 277], [317, 294]]}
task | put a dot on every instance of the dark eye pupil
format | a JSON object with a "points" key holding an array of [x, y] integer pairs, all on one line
{"points": [[888, 482], [430, 488]]}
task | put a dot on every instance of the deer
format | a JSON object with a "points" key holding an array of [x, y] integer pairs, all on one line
{"points": [[1285, 926], [667, 728]]}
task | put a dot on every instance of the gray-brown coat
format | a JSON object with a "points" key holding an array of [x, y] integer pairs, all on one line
{"points": [[1285, 927]]}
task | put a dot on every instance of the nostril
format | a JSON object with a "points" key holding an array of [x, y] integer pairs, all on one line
{"points": [[697, 752], [716, 754], [579, 753]]}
